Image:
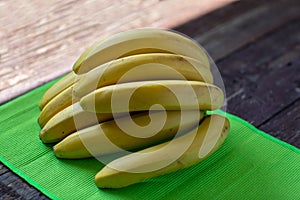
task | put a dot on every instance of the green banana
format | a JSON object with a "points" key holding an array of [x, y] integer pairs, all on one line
{"points": [[152, 66], [139, 41], [168, 157], [108, 137], [172, 95], [70, 120]]}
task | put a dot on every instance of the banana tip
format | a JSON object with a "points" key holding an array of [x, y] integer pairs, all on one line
{"points": [[56, 151], [41, 136]]}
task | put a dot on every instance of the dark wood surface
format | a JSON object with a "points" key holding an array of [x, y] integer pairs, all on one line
{"points": [[256, 47]]}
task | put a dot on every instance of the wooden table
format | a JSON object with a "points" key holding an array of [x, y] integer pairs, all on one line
{"points": [[254, 43]]}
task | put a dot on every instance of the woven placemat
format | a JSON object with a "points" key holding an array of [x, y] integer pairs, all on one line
{"points": [[250, 164]]}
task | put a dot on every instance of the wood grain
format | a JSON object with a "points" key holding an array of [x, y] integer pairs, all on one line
{"points": [[255, 45], [246, 65], [202, 24], [13, 187], [262, 80], [260, 83], [284, 122], [40, 40], [246, 28]]}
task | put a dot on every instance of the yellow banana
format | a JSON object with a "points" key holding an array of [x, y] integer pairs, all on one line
{"points": [[70, 120], [135, 91], [139, 41], [139, 96], [164, 158], [141, 67], [108, 137], [57, 104], [87, 51], [57, 88], [63, 83]]}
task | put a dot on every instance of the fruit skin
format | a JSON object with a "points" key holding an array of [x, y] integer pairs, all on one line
{"points": [[190, 95], [136, 167], [63, 123], [137, 42], [57, 104], [57, 88], [86, 52], [152, 66], [68, 80], [96, 137]]}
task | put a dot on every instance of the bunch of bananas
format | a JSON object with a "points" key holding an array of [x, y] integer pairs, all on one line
{"points": [[145, 91]]}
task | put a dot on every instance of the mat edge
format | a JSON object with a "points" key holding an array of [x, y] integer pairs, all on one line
{"points": [[28, 180], [221, 112], [258, 131]]}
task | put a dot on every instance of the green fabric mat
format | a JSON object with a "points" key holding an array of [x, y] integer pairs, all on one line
{"points": [[250, 164]]}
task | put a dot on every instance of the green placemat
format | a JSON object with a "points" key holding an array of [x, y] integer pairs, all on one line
{"points": [[250, 164]]}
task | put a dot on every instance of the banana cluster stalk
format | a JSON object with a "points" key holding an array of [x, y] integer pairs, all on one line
{"points": [[143, 93]]}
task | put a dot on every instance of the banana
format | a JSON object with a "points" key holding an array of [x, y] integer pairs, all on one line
{"points": [[70, 120], [134, 91], [168, 157], [86, 52], [57, 88], [57, 104], [139, 96], [63, 83], [108, 137], [153, 66], [139, 41]]}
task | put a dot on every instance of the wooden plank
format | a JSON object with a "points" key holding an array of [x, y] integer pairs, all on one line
{"points": [[260, 88], [44, 43], [35, 75], [6, 193], [248, 64], [273, 91], [285, 122], [201, 25], [3, 169], [13, 187], [260, 61], [233, 35]]}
